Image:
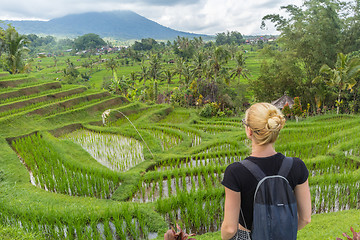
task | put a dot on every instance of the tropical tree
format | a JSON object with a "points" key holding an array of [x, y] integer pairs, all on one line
{"points": [[233, 49], [15, 48], [240, 68], [220, 56], [342, 76], [133, 77], [312, 31], [179, 67], [112, 64], [144, 74], [155, 71], [199, 61], [89, 41], [120, 85], [155, 68], [2, 40], [70, 72], [198, 42], [168, 74], [184, 48], [188, 73]]}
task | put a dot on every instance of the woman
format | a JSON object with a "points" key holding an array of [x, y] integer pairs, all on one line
{"points": [[262, 122]]}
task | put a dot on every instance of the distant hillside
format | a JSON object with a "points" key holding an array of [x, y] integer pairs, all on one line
{"points": [[122, 25]]}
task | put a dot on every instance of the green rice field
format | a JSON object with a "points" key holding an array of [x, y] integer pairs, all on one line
{"points": [[64, 174]]}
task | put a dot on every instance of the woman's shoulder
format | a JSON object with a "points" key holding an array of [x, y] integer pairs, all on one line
{"points": [[237, 169], [299, 171], [234, 166], [298, 162]]}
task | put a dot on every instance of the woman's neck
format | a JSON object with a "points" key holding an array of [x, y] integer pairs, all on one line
{"points": [[266, 150]]}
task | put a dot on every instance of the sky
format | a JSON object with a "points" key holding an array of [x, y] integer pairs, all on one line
{"points": [[196, 16]]}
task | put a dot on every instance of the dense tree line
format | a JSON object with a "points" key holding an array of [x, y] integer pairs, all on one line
{"points": [[232, 37], [89, 41], [147, 44], [204, 75], [315, 58], [312, 35]]}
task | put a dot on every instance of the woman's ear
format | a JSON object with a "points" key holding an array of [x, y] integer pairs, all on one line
{"points": [[248, 132]]}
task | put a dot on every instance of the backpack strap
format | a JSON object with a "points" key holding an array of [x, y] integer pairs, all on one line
{"points": [[286, 166], [254, 169]]}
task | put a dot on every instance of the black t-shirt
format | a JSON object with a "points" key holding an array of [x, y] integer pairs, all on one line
{"points": [[239, 179]]}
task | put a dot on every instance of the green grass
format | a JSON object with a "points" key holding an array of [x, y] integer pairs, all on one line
{"points": [[327, 226], [13, 233]]}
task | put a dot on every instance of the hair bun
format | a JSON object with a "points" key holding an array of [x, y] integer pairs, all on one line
{"points": [[274, 123]]}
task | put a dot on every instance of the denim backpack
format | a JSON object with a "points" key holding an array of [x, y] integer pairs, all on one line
{"points": [[275, 210]]}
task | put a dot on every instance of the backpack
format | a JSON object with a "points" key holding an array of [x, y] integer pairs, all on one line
{"points": [[275, 210]]}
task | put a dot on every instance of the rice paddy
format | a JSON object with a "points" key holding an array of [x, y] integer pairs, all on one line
{"points": [[116, 152], [93, 181]]}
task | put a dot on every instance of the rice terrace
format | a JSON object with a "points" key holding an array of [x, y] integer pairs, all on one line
{"points": [[125, 142]]}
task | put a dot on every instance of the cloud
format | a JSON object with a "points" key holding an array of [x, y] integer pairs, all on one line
{"points": [[199, 16]]}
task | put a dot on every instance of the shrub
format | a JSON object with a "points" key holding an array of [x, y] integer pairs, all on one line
{"points": [[286, 110], [206, 111]]}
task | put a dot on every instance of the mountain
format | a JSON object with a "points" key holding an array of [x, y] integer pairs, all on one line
{"points": [[121, 25]]}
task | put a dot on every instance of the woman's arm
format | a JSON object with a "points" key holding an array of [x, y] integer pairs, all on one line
{"points": [[231, 214], [303, 198]]}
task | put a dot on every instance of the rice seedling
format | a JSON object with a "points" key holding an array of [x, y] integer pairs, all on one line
{"points": [[116, 152], [53, 174], [195, 136], [167, 139]]}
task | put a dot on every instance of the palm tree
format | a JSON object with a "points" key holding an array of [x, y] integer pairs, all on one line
{"points": [[342, 76], [199, 62], [155, 72], [112, 64], [133, 77], [155, 67], [15, 48], [240, 69], [220, 56], [144, 74], [179, 67], [233, 49], [168, 75], [188, 74]]}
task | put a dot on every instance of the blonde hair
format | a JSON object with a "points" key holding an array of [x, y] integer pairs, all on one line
{"points": [[266, 121]]}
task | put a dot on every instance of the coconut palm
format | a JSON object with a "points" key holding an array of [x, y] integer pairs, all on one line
{"points": [[342, 76], [112, 64], [155, 68], [15, 48], [155, 71], [188, 73], [179, 67], [133, 77], [168, 75], [233, 49], [240, 69], [144, 74], [199, 62], [219, 57]]}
